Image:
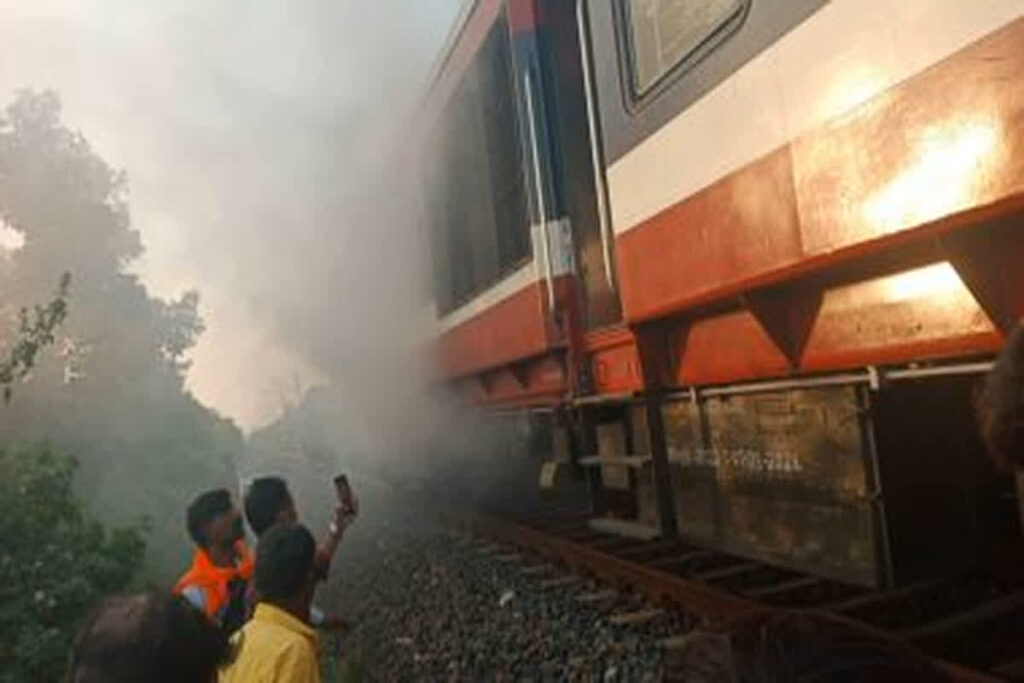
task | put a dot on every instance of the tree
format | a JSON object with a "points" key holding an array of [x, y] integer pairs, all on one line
{"points": [[180, 327], [55, 564], [145, 446], [32, 337]]}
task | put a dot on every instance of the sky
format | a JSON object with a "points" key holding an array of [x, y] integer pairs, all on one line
{"points": [[248, 130]]}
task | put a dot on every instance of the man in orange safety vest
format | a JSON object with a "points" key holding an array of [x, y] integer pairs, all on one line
{"points": [[222, 566]]}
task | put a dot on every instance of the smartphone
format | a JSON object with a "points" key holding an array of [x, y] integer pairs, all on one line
{"points": [[344, 493]]}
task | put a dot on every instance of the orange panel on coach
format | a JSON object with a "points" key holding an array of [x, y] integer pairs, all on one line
{"points": [[513, 329], [949, 140], [738, 228], [728, 348]]}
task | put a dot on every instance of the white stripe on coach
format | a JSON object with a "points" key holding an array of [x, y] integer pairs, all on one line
{"points": [[843, 55], [562, 263]]}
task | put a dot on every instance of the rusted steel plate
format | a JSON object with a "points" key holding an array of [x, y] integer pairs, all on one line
{"points": [[784, 480]]}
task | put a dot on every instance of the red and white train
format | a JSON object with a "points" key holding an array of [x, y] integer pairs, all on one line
{"points": [[744, 258]]}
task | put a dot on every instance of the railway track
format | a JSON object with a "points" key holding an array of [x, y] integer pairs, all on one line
{"points": [[431, 600], [971, 622]]}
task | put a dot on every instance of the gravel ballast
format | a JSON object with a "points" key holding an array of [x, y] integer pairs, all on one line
{"points": [[428, 602]]}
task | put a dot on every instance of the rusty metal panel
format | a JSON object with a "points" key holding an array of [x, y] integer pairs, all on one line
{"points": [[694, 483], [871, 174], [611, 443], [829, 540], [646, 490], [792, 482], [682, 428], [783, 479], [639, 430], [919, 312], [804, 442]]}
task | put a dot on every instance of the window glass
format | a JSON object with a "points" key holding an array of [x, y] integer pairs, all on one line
{"points": [[663, 33], [474, 180]]}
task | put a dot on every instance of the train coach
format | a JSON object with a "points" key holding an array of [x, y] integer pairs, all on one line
{"points": [[742, 261]]}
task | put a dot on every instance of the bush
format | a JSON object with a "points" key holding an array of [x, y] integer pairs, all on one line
{"points": [[55, 564]]}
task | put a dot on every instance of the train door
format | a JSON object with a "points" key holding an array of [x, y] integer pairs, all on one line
{"points": [[579, 169]]}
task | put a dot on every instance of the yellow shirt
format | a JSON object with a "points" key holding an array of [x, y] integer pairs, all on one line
{"points": [[274, 647]]}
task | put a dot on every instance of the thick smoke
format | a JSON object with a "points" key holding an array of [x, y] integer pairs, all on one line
{"points": [[254, 137], [265, 148]]}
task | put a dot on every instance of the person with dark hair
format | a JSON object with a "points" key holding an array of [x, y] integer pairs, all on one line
{"points": [[268, 502], [217, 581], [278, 644], [147, 637], [1000, 409]]}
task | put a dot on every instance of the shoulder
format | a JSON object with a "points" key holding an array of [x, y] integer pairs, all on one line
{"points": [[270, 653], [277, 640], [297, 660]]}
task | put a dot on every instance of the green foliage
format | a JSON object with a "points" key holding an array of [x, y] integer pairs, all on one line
{"points": [[55, 563], [32, 337], [144, 444], [180, 327]]}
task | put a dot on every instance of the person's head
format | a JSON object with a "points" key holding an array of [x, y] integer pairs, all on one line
{"points": [[285, 565], [268, 502], [1001, 404], [147, 637], [213, 521]]}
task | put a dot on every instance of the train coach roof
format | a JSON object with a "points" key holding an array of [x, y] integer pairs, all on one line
{"points": [[462, 18], [469, 31]]}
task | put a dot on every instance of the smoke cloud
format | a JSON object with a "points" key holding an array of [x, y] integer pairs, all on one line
{"points": [[252, 134]]}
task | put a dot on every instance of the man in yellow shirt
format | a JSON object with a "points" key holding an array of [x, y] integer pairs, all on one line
{"points": [[278, 645]]}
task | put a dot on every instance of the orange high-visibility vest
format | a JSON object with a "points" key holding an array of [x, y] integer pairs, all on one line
{"points": [[214, 580]]}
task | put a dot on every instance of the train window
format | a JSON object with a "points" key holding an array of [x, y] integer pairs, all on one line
{"points": [[665, 35], [474, 179], [669, 79]]}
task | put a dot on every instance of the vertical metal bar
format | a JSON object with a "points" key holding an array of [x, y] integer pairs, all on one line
{"points": [[583, 441], [659, 462], [539, 187], [600, 186], [652, 347], [706, 441], [883, 546]]}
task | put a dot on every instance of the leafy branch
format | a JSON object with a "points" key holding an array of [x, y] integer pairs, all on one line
{"points": [[34, 334]]}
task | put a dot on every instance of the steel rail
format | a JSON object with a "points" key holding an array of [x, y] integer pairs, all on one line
{"points": [[718, 608]]}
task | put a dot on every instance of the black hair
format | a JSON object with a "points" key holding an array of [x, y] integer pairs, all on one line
{"points": [[284, 561], [204, 509], [1000, 404], [264, 500], [147, 637]]}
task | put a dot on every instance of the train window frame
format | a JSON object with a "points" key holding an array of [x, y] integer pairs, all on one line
{"points": [[455, 300], [623, 125], [634, 99]]}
